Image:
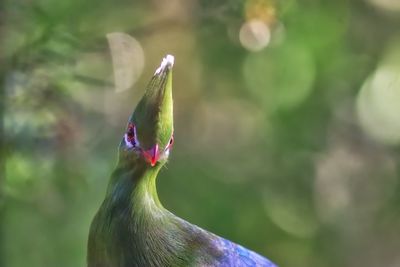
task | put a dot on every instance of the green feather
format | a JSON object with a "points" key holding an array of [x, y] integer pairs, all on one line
{"points": [[131, 227]]}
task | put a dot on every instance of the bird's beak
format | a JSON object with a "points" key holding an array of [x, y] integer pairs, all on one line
{"points": [[152, 155]]}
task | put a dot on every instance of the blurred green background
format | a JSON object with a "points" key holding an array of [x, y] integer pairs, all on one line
{"points": [[287, 123]]}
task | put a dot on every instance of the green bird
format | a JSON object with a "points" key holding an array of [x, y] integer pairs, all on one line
{"points": [[132, 228]]}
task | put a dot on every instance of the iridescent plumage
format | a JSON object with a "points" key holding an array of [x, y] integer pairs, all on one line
{"points": [[132, 228]]}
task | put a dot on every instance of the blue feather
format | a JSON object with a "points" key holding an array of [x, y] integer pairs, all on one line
{"points": [[236, 255]]}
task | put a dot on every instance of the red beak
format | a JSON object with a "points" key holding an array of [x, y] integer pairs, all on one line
{"points": [[151, 155]]}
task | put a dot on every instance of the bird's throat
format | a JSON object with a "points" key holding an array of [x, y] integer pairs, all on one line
{"points": [[144, 197], [134, 188], [135, 229]]}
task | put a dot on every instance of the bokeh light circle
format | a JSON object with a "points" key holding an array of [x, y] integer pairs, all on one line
{"points": [[254, 35], [386, 5], [378, 102], [274, 77], [128, 59]]}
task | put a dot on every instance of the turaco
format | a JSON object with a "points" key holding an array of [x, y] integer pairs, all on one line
{"points": [[132, 228]]}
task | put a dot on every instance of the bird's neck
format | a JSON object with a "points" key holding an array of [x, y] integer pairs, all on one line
{"points": [[139, 225], [134, 185]]}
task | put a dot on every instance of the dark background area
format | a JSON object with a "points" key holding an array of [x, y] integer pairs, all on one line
{"points": [[287, 123]]}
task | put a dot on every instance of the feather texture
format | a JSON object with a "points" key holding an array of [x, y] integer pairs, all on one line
{"points": [[132, 228]]}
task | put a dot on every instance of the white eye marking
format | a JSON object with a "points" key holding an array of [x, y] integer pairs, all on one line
{"points": [[165, 155], [168, 147], [130, 136], [127, 142]]}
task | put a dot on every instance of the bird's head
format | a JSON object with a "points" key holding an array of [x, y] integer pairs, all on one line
{"points": [[149, 134]]}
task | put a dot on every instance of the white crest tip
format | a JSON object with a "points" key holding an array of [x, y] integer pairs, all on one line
{"points": [[167, 62]]}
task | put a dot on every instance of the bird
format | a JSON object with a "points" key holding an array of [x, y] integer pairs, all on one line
{"points": [[131, 227]]}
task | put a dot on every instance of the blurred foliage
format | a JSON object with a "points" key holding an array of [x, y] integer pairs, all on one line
{"points": [[292, 150]]}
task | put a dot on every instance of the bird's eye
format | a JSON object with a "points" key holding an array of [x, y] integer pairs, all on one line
{"points": [[170, 143], [130, 136]]}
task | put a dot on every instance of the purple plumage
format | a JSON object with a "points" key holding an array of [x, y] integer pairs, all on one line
{"points": [[236, 255], [215, 251]]}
